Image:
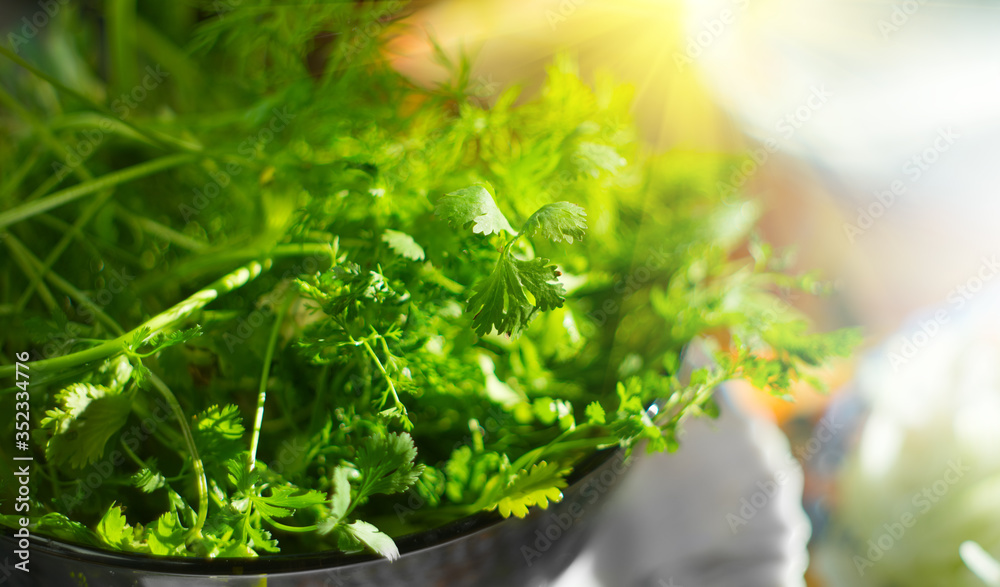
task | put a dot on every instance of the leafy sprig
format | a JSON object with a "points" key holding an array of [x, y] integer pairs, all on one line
{"points": [[507, 299]]}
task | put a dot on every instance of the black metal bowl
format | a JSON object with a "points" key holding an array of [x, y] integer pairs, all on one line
{"points": [[480, 550]]}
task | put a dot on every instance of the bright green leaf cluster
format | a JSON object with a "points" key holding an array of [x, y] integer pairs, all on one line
{"points": [[292, 363]]}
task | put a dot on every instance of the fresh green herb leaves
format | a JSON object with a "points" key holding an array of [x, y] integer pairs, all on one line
{"points": [[508, 298], [87, 416], [316, 308], [534, 487], [473, 205], [387, 464], [403, 245], [559, 221]]}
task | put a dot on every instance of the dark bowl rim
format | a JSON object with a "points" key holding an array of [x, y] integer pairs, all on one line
{"points": [[409, 544]]}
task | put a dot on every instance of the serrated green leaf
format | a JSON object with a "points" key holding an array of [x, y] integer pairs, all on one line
{"points": [[473, 205], [218, 433], [500, 301], [238, 474], [112, 526], [261, 539], [284, 500], [541, 280], [595, 413], [374, 539], [558, 221], [387, 464], [115, 531], [57, 525], [535, 487], [149, 479], [166, 536], [592, 158], [403, 245], [88, 415]]}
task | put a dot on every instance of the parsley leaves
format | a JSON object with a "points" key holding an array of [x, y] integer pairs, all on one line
{"points": [[508, 298]]}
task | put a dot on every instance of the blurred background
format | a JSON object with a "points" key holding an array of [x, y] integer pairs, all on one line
{"points": [[870, 134]]}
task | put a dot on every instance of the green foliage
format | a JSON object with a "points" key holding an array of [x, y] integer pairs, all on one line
{"points": [[403, 245], [87, 416], [537, 486], [285, 222], [386, 463], [473, 206]]}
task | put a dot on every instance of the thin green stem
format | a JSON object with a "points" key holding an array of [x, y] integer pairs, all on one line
{"points": [[199, 467], [22, 257], [154, 325], [92, 243], [272, 343], [158, 137], [43, 131], [165, 232], [197, 265], [69, 289], [62, 197], [18, 176], [135, 458], [85, 216], [381, 368], [287, 528]]}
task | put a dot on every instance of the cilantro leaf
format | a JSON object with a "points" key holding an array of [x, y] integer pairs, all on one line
{"points": [[218, 432], [500, 301], [87, 416], [541, 281], [341, 498], [558, 221], [166, 536], [387, 464], [403, 245], [595, 413], [592, 158], [537, 486], [473, 205], [149, 479], [115, 531], [285, 499], [373, 538], [58, 525]]}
